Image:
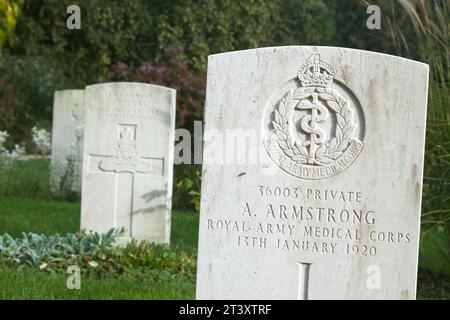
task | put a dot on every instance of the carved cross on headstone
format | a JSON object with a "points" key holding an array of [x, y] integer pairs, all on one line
{"points": [[125, 165], [303, 280]]}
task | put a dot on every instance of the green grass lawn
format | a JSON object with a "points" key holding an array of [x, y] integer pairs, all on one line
{"points": [[35, 284], [38, 216], [49, 217]]}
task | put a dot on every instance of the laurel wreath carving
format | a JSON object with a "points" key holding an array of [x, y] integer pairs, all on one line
{"points": [[326, 153], [295, 151]]}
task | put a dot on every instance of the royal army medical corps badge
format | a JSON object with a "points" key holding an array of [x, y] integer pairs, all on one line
{"points": [[314, 124]]}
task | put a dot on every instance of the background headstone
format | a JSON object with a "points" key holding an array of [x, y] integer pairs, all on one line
{"points": [[67, 142], [331, 209], [128, 160]]}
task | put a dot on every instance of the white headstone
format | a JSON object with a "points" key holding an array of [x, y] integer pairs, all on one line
{"points": [[128, 160], [67, 142], [331, 209]]}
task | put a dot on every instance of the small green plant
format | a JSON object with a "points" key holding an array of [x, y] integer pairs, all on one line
{"points": [[187, 187]]}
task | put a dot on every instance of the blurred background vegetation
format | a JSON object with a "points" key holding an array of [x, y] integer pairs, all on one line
{"points": [[167, 42]]}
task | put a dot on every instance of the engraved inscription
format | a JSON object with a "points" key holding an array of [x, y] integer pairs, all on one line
{"points": [[320, 221], [130, 106], [314, 132]]}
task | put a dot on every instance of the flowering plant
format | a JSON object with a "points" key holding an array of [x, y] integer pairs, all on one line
{"points": [[3, 136], [41, 139], [6, 155]]}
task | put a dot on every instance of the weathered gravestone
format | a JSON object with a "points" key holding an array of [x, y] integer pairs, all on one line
{"points": [[67, 142], [331, 209], [128, 160]]}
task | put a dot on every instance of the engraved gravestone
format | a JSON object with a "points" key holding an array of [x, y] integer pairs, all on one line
{"points": [[330, 209], [67, 142], [128, 160]]}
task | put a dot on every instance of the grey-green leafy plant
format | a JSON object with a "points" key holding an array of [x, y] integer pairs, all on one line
{"points": [[35, 250], [97, 256]]}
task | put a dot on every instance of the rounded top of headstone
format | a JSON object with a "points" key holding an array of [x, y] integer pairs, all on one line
{"points": [[68, 91], [312, 50], [126, 85]]}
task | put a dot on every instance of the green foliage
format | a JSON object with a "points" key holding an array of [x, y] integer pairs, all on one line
{"points": [[46, 252], [110, 31], [9, 103], [432, 286], [96, 255], [305, 23], [430, 42], [209, 26], [9, 11], [428, 39], [435, 250], [27, 86], [136, 259]]}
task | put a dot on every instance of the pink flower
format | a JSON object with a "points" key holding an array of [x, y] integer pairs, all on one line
{"points": [[146, 69], [122, 69]]}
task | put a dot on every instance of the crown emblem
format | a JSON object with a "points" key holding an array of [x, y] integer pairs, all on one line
{"points": [[315, 73]]}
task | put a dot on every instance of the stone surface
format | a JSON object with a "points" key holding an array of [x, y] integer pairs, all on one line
{"points": [[67, 142], [330, 208], [128, 160]]}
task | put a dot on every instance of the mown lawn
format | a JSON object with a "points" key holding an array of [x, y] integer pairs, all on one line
{"points": [[49, 217], [34, 284]]}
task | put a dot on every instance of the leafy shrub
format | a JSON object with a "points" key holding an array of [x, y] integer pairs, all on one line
{"points": [[35, 80], [37, 250], [187, 183], [10, 100], [110, 31], [9, 10], [96, 255]]}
